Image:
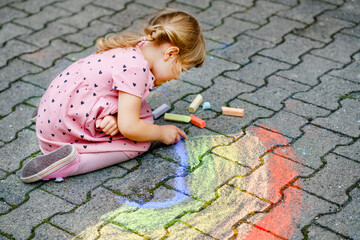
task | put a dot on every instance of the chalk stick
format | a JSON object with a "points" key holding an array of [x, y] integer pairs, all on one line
{"points": [[238, 112], [161, 110], [197, 121], [177, 117], [206, 105], [196, 103]]}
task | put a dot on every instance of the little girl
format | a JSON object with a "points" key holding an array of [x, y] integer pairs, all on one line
{"points": [[94, 114]]}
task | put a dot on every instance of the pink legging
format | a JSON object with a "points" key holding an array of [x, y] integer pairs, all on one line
{"points": [[94, 161]]}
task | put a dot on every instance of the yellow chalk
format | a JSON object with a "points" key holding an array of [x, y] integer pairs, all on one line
{"points": [[177, 117], [238, 112], [196, 103]]}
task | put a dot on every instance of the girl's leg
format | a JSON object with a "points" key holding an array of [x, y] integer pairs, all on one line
{"points": [[94, 161]]}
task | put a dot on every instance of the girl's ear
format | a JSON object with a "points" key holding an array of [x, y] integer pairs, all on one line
{"points": [[171, 52]]}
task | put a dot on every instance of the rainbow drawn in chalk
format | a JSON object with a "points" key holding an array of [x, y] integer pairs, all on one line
{"points": [[235, 181]]}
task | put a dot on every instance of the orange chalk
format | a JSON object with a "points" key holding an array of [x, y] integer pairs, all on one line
{"points": [[238, 112], [197, 121]]}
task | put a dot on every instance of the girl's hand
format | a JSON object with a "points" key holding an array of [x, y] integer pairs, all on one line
{"points": [[171, 134], [108, 125]]}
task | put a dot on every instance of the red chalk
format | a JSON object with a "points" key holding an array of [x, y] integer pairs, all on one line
{"points": [[197, 121]]}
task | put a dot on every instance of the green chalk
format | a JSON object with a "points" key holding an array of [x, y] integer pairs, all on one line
{"points": [[177, 118]]}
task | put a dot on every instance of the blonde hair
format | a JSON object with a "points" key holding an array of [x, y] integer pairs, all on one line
{"points": [[169, 26]]}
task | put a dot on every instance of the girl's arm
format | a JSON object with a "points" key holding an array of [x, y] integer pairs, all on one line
{"points": [[132, 127]]}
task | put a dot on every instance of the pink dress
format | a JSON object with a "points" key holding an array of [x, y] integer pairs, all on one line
{"points": [[88, 90]]}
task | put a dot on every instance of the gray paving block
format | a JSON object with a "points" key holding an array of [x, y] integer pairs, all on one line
{"points": [[199, 3], [15, 121], [115, 5], [14, 70], [32, 6], [274, 93], [47, 231], [10, 31], [284, 122], [291, 3], [241, 50], [298, 207], [351, 151], [292, 49], [4, 207], [304, 109], [328, 92], [47, 56], [8, 14], [306, 73], [345, 120], [340, 49], [271, 31], [212, 67], [324, 28], [74, 7], [348, 11], [40, 205], [257, 70], [332, 181], [22, 91], [14, 48], [349, 72], [307, 10], [355, 31], [314, 144], [346, 221], [227, 32], [316, 232], [260, 12]]}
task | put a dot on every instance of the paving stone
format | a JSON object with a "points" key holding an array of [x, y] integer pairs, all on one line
{"points": [[260, 12], [112, 232], [4, 207], [355, 31], [324, 28], [198, 3], [246, 3], [333, 180], [350, 72], [23, 90], [73, 57], [272, 33], [32, 6], [38, 20], [10, 154], [346, 221], [257, 70], [284, 122], [8, 14], [274, 93], [349, 11], [43, 37], [307, 10], [160, 4], [218, 218], [352, 151], [335, 2], [129, 165], [241, 50], [344, 120], [340, 49], [115, 5], [87, 37], [212, 67], [46, 56], [10, 31], [69, 189], [40, 206], [247, 231], [90, 213], [227, 32], [292, 214], [314, 144], [12, 49], [315, 232], [306, 73], [328, 92], [44, 78], [136, 184], [217, 12], [180, 229], [14, 70], [292, 49], [305, 110], [291, 3], [46, 231], [15, 121], [189, 8], [72, 6]]}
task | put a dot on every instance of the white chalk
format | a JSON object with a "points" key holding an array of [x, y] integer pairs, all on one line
{"points": [[196, 103], [161, 110], [206, 105]]}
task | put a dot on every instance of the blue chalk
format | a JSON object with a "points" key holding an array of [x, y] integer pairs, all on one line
{"points": [[206, 105]]}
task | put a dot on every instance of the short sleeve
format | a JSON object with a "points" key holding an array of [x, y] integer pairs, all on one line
{"points": [[131, 80]]}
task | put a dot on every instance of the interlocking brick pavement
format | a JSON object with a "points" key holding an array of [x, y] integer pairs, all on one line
{"points": [[288, 169]]}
